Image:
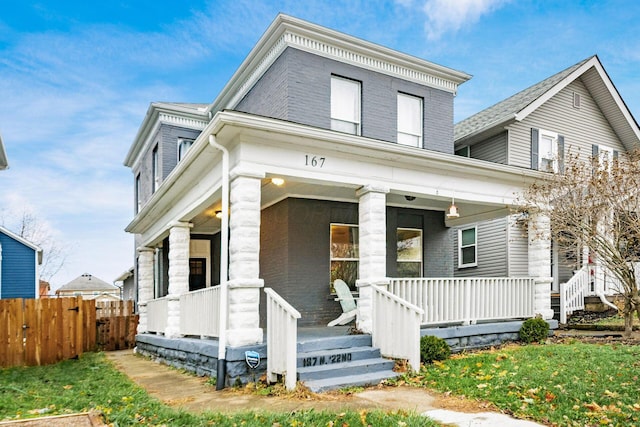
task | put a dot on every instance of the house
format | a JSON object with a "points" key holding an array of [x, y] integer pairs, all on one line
{"points": [[19, 266], [324, 157], [45, 289], [127, 284], [4, 163], [577, 110], [89, 287]]}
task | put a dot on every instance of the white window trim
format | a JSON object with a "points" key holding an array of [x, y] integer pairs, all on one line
{"points": [[554, 150], [419, 136], [601, 150], [182, 141], [421, 262], [460, 247], [358, 122], [137, 188], [155, 166]]}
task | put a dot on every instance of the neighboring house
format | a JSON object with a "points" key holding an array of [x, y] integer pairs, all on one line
{"points": [[19, 266], [338, 158], [45, 289], [577, 110], [127, 285], [89, 287], [4, 163]]}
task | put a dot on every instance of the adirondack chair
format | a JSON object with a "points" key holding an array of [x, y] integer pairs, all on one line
{"points": [[347, 302]]}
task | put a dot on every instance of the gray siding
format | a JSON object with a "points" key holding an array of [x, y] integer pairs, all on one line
{"points": [[518, 248], [297, 87], [491, 250], [493, 149], [580, 127]]}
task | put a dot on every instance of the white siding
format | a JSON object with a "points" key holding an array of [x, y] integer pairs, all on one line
{"points": [[491, 251], [580, 127]]}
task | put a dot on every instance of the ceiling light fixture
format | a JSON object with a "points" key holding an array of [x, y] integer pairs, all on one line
{"points": [[277, 181]]}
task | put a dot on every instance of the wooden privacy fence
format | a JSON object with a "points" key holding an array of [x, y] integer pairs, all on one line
{"points": [[116, 325], [44, 331]]}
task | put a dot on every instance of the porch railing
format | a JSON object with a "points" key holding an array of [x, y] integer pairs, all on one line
{"points": [[467, 300], [282, 335], [157, 313], [573, 292], [396, 327], [199, 312]]}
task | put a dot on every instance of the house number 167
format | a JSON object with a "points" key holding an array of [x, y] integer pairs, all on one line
{"points": [[313, 161]]}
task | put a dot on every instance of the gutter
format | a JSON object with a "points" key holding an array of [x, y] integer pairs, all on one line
{"points": [[224, 265]]}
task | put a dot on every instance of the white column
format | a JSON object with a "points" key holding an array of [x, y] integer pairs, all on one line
{"points": [[179, 238], [244, 259], [145, 285], [372, 266], [539, 230]]}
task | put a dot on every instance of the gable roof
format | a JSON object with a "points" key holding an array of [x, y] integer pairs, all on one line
{"points": [[87, 282], [517, 107], [4, 163], [24, 241]]}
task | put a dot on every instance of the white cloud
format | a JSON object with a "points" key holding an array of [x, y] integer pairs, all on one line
{"points": [[451, 15]]}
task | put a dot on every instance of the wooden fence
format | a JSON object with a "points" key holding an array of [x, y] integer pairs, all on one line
{"points": [[48, 330]]}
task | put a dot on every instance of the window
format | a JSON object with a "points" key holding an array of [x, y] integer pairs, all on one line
{"points": [[345, 105], [467, 247], [547, 151], [155, 170], [605, 156], [344, 253], [138, 204], [463, 151], [409, 253], [409, 120], [183, 146]]}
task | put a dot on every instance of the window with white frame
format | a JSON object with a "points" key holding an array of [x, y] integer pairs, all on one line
{"points": [[409, 252], [344, 253], [345, 105], [468, 247], [409, 120], [138, 204], [548, 151], [605, 157], [155, 170], [183, 146]]}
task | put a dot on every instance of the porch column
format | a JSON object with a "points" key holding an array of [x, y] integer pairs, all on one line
{"points": [[179, 238], [372, 267], [539, 230], [145, 285], [244, 259]]}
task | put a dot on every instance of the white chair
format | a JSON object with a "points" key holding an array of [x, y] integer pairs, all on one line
{"points": [[347, 302]]}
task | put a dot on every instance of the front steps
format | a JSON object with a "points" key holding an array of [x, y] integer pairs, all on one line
{"points": [[344, 361]]}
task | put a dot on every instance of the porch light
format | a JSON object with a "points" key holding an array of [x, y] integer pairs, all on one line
{"points": [[219, 214], [453, 210], [277, 181]]}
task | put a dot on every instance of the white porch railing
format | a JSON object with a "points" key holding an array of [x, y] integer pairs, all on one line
{"points": [[573, 292], [467, 300], [157, 313], [199, 312], [396, 327], [282, 335]]}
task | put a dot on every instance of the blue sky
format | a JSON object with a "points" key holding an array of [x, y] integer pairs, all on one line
{"points": [[76, 79]]}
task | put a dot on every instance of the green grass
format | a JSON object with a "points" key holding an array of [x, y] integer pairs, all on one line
{"points": [[91, 382], [572, 384]]}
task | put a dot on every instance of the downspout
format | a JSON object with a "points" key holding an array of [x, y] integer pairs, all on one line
{"points": [[224, 265]]}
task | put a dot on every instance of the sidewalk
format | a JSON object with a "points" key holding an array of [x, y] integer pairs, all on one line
{"points": [[192, 394]]}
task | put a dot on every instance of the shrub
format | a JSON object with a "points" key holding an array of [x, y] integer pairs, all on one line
{"points": [[433, 348], [534, 330]]}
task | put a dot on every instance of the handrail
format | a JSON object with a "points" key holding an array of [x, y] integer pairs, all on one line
{"points": [[282, 336], [396, 327], [573, 292]]}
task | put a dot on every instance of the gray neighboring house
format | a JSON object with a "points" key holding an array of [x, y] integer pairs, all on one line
{"points": [[127, 285], [4, 162], [89, 287], [577, 110]]}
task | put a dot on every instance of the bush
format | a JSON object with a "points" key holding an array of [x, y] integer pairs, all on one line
{"points": [[534, 330], [433, 348]]}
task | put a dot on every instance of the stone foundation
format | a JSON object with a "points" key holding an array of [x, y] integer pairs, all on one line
{"points": [[485, 335]]}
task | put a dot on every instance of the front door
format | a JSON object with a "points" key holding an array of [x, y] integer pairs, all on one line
{"points": [[197, 273]]}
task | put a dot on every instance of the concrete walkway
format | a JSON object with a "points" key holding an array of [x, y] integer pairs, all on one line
{"points": [[192, 394]]}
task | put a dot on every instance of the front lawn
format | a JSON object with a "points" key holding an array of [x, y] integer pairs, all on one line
{"points": [[91, 382], [571, 384]]}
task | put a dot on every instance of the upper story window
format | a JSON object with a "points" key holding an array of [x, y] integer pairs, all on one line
{"points": [[345, 105], [344, 253], [468, 247], [138, 204], [155, 170], [409, 120], [183, 146], [409, 252], [605, 156], [464, 151], [547, 151]]}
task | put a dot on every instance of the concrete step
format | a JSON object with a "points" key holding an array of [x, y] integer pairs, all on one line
{"points": [[334, 383], [345, 341], [337, 355], [340, 370]]}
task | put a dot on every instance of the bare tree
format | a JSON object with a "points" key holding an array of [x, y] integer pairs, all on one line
{"points": [[28, 226], [594, 207]]}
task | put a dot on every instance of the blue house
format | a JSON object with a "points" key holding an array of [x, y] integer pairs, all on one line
{"points": [[19, 262]]}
